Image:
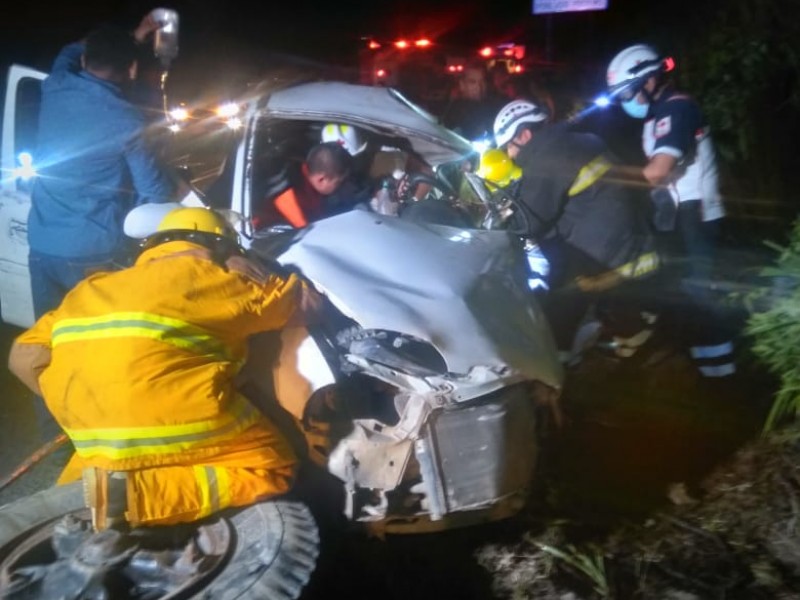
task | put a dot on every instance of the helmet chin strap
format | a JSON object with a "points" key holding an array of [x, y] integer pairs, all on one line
{"points": [[649, 96], [661, 84]]}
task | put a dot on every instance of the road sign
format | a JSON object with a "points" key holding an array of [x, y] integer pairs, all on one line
{"points": [[543, 7]]}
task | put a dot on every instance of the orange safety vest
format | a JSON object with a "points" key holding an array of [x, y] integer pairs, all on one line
{"points": [[299, 204], [142, 381]]}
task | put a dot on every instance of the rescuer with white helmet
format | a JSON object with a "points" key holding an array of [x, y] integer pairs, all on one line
{"points": [[585, 220], [514, 114], [682, 169], [628, 73], [347, 136]]}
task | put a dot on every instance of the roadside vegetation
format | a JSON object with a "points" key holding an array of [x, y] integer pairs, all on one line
{"points": [[731, 528]]}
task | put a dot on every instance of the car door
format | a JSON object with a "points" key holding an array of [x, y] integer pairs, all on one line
{"points": [[20, 124]]}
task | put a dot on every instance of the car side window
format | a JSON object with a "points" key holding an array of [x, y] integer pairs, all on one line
{"points": [[26, 125], [279, 146]]}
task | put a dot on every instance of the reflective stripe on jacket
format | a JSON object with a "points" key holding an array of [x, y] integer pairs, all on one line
{"points": [[142, 380]]}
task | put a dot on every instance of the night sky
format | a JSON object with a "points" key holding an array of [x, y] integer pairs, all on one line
{"points": [[235, 33], [225, 44]]}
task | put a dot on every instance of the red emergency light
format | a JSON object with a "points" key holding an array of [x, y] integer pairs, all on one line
{"points": [[669, 64], [422, 43], [373, 45], [508, 52], [380, 73], [402, 44], [486, 52]]}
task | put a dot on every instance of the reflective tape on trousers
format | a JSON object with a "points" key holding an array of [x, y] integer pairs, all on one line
{"points": [[712, 351]]}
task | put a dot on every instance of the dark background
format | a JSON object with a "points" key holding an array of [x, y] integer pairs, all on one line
{"points": [[740, 58], [239, 35]]}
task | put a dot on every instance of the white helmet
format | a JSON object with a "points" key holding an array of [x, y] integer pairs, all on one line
{"points": [[630, 70], [512, 115], [346, 136]]}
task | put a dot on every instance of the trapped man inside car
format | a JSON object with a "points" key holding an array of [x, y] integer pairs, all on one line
{"points": [[297, 195]]}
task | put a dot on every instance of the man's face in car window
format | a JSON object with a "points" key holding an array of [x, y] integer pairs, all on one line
{"points": [[473, 84], [325, 186]]}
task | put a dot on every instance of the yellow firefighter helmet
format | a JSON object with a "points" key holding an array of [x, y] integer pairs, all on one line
{"points": [[498, 169], [196, 219]]}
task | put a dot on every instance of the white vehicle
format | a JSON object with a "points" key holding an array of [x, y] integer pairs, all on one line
{"points": [[20, 121], [258, 134], [419, 388]]}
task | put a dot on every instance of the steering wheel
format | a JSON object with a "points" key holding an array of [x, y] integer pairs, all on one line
{"points": [[406, 189], [508, 211]]}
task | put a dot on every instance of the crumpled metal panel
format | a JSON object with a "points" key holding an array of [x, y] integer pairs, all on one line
{"points": [[464, 291], [370, 460], [484, 452]]}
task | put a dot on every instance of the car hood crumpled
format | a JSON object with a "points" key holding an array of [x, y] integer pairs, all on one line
{"points": [[457, 289]]}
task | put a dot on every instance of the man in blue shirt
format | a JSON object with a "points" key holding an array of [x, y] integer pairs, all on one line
{"points": [[95, 160]]}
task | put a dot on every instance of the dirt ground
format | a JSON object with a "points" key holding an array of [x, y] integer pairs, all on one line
{"points": [[681, 498], [637, 497]]}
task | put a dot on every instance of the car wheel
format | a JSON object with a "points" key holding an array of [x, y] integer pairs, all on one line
{"points": [[275, 543]]}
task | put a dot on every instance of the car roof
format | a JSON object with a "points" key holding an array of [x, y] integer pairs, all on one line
{"points": [[379, 109]]}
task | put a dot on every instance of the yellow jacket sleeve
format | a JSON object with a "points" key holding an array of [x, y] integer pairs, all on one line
{"points": [[41, 331], [30, 354], [274, 299]]}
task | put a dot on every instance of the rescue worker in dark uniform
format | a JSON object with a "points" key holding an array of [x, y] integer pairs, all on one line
{"points": [[589, 225]]}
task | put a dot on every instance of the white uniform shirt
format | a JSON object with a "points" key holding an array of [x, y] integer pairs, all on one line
{"points": [[677, 128]]}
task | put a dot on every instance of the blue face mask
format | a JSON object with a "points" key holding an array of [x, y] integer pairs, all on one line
{"points": [[634, 109]]}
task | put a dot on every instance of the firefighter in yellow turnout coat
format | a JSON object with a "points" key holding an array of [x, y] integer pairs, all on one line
{"points": [[138, 367]]}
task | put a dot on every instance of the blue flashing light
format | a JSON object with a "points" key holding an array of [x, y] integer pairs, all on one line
{"points": [[602, 101]]}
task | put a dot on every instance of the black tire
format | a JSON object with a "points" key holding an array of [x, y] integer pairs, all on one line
{"points": [[277, 543]]}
